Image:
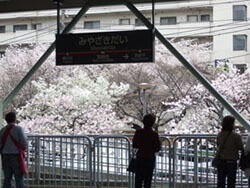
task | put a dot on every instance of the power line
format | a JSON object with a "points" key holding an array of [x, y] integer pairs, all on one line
{"points": [[238, 26], [207, 27], [165, 28], [194, 30], [21, 18], [214, 31], [34, 36], [26, 34], [211, 4]]}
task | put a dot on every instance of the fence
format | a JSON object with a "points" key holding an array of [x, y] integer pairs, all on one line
{"points": [[81, 161]]}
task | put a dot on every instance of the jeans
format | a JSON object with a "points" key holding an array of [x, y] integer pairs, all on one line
{"points": [[144, 172], [227, 169], [11, 166]]}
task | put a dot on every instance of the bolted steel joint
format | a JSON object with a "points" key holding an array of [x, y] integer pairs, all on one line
{"points": [[60, 2]]}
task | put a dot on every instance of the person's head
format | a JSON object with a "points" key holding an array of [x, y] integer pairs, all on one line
{"points": [[149, 120], [228, 123], [10, 117]]}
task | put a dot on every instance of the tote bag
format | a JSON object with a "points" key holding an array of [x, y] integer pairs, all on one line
{"points": [[23, 166], [247, 172], [216, 161], [132, 165]]}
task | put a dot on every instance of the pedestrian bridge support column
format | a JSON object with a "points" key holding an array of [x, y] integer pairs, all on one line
{"points": [[189, 66]]}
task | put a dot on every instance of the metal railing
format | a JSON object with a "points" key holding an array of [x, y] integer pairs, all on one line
{"points": [[59, 161], [82, 161]]}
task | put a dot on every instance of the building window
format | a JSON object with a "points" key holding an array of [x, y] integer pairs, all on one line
{"points": [[241, 68], [139, 22], [192, 18], [20, 28], [2, 29], [205, 18], [167, 20], [124, 21], [92, 25], [36, 26], [239, 42], [239, 13]]}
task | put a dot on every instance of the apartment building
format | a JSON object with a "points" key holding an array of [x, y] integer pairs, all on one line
{"points": [[225, 23]]}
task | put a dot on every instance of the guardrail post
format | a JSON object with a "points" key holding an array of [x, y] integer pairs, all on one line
{"points": [[1, 125], [1, 113], [196, 163], [37, 158]]}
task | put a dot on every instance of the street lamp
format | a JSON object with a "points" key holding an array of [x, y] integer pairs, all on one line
{"points": [[144, 87]]}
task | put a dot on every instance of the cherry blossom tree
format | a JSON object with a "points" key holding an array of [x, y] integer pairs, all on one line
{"points": [[76, 104], [170, 81], [15, 64], [181, 103], [100, 98], [205, 112]]}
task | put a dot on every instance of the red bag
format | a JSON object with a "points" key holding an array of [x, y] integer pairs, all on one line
{"points": [[23, 166], [21, 149]]}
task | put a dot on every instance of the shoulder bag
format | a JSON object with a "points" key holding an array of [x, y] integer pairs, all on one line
{"points": [[21, 149], [132, 163]]}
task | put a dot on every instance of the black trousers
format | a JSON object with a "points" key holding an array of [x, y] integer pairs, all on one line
{"points": [[227, 169], [144, 172]]}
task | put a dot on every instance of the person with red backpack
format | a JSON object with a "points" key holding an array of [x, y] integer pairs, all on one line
{"points": [[13, 142]]}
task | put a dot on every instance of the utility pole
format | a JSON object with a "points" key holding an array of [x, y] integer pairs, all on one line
{"points": [[58, 3]]}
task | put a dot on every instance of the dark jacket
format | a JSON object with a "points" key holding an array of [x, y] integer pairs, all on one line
{"points": [[147, 141], [230, 149]]}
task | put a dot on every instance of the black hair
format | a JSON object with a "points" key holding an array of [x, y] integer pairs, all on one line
{"points": [[149, 120], [228, 123], [10, 117]]}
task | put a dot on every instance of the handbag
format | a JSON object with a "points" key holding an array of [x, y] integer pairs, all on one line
{"points": [[132, 164], [216, 161], [247, 172], [21, 149], [244, 161]]}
